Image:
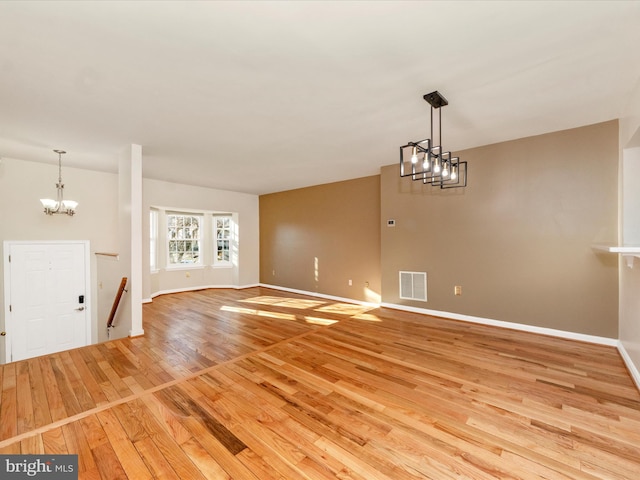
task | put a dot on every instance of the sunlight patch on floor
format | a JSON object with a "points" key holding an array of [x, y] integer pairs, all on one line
{"points": [[264, 300], [319, 321], [344, 309], [303, 304], [355, 311], [369, 317], [260, 313], [285, 302]]}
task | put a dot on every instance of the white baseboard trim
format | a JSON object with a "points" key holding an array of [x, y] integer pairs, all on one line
{"points": [[187, 289], [320, 295], [612, 342], [633, 370], [136, 333], [193, 289]]}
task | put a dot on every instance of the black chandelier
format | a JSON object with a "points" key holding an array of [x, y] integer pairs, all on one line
{"points": [[427, 160]]}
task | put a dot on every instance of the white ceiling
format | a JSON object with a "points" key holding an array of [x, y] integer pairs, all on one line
{"points": [[267, 96]]}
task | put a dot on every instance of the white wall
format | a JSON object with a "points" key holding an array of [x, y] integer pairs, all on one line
{"points": [[179, 197], [629, 322], [23, 183], [103, 219]]}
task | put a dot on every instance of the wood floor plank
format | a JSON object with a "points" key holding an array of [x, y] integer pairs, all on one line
{"points": [[155, 461], [8, 402], [55, 400], [228, 461], [130, 421], [89, 382], [11, 449], [107, 461], [128, 457], [64, 382], [167, 446], [264, 468], [78, 385], [24, 398], [77, 444], [53, 442], [166, 418], [32, 445], [207, 465]]}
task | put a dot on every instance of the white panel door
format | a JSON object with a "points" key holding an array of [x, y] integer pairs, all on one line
{"points": [[48, 299]]}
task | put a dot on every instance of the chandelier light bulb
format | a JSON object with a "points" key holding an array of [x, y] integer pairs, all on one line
{"points": [[445, 169], [414, 155], [436, 167], [454, 172]]}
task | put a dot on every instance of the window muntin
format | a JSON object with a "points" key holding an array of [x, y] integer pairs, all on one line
{"points": [[183, 234]]}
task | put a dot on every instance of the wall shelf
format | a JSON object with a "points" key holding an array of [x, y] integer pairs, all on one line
{"points": [[109, 254], [628, 252]]}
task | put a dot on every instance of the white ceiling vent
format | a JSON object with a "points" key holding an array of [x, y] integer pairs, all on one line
{"points": [[413, 286]]}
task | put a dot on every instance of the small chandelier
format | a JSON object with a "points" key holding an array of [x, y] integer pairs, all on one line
{"points": [[427, 160], [60, 205]]}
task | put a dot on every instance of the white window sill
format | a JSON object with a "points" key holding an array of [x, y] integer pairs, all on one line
{"points": [[222, 265]]}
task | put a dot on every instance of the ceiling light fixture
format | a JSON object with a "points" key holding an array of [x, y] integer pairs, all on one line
{"points": [[60, 205], [428, 161]]}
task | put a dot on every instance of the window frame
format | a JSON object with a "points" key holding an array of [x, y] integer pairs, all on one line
{"points": [[153, 240], [170, 265], [229, 238]]}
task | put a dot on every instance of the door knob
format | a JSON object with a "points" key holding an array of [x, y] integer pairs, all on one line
{"points": [[3, 334], [80, 309]]}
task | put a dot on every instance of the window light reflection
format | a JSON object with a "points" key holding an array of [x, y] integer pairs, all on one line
{"points": [[260, 313], [265, 300], [355, 311], [284, 302], [372, 296], [344, 309], [369, 317], [319, 321]]}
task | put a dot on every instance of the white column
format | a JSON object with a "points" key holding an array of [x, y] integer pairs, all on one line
{"points": [[135, 284]]}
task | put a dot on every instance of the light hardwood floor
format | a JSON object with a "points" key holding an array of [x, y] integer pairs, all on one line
{"points": [[262, 384]]}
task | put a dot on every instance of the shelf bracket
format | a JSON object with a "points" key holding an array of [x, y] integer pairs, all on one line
{"points": [[629, 260]]}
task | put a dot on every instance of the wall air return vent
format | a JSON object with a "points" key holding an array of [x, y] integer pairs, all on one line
{"points": [[413, 286]]}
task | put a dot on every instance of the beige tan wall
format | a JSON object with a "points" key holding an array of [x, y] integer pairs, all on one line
{"points": [[317, 239], [518, 238]]}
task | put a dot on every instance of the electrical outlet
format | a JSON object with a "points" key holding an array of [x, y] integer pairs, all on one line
{"points": [[457, 290], [187, 274], [350, 282]]}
